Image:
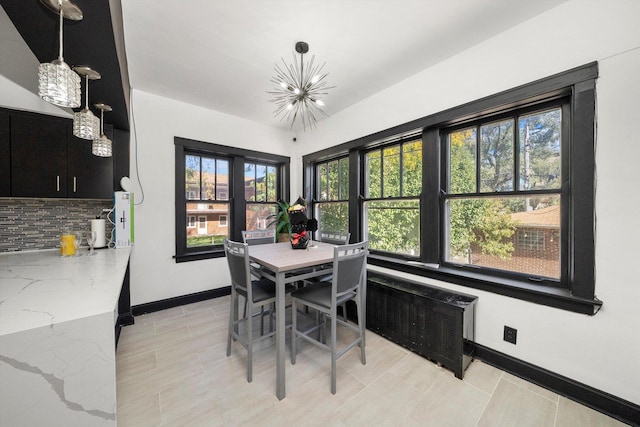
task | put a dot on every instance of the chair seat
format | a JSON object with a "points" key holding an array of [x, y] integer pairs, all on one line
{"points": [[264, 289], [320, 294]]}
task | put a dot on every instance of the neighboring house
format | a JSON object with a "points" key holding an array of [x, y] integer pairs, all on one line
{"points": [[208, 217], [535, 242]]}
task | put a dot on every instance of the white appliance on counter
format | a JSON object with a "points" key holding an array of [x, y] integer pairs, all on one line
{"points": [[123, 219]]}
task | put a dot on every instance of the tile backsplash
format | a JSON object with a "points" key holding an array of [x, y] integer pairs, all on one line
{"points": [[30, 224]]}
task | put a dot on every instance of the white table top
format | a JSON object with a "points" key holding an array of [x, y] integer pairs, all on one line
{"points": [[41, 288], [281, 257]]}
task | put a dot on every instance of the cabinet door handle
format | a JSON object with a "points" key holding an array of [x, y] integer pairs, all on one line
{"points": [[58, 183], [74, 184]]}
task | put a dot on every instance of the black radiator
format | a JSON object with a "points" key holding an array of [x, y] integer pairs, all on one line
{"points": [[433, 322]]}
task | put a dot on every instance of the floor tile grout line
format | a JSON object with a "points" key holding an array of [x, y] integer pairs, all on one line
{"points": [[534, 391]]}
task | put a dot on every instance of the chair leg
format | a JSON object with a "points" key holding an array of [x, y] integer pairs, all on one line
{"points": [[333, 351], [294, 329], [361, 331], [232, 310], [250, 344], [261, 320]]}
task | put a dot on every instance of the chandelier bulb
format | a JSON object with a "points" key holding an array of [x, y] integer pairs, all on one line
{"points": [[296, 91], [315, 79], [319, 102]]}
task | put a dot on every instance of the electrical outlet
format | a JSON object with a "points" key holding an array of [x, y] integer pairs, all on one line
{"points": [[510, 334]]}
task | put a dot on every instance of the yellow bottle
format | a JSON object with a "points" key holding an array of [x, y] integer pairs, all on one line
{"points": [[67, 245]]}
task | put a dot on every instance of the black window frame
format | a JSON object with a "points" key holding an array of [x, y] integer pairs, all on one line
{"points": [[556, 102], [237, 212], [317, 200], [400, 141], [577, 291]]}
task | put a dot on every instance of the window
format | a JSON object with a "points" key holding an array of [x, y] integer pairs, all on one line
{"points": [[496, 194], [392, 186], [504, 176], [205, 178], [221, 191], [531, 240], [260, 184], [332, 196]]}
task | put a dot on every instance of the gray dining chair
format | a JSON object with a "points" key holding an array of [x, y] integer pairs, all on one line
{"points": [[348, 283], [257, 294], [332, 238], [258, 237]]}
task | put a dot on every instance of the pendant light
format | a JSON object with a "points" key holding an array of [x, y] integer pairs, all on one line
{"points": [[85, 124], [101, 146], [299, 89], [57, 83]]}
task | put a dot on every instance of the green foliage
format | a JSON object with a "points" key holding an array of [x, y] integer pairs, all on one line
{"points": [[281, 218]]}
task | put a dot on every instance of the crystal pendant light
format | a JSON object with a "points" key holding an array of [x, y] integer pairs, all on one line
{"points": [[101, 146], [57, 82], [85, 124]]}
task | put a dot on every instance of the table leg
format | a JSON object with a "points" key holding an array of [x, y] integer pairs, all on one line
{"points": [[280, 336]]}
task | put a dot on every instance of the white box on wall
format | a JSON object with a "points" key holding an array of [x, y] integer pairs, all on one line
{"points": [[123, 215]]}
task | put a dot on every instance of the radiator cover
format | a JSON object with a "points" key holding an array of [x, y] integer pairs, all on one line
{"points": [[436, 323]]}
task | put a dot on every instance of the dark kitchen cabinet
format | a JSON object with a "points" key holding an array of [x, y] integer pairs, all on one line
{"points": [[38, 156], [88, 176], [5, 155], [48, 161]]}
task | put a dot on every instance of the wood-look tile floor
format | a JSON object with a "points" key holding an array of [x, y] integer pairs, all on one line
{"points": [[172, 370]]}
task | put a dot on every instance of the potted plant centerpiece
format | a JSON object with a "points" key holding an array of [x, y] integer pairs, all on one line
{"points": [[281, 221], [291, 222]]}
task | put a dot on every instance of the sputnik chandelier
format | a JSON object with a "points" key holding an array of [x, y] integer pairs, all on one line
{"points": [[299, 88]]}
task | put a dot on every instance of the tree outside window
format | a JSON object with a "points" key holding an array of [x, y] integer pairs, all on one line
{"points": [[393, 183], [332, 196], [260, 185], [504, 176], [206, 188]]}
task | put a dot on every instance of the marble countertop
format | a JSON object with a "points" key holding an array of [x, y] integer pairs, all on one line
{"points": [[40, 288]]}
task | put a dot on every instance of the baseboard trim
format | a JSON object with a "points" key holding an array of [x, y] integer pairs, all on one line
{"points": [[598, 400], [164, 304]]}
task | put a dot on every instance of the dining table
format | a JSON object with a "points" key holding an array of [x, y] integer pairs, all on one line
{"points": [[283, 265]]}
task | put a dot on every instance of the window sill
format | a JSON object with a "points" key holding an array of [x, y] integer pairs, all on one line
{"points": [[196, 256], [536, 293]]}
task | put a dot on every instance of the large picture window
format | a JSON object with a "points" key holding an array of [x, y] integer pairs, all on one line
{"points": [[221, 191], [496, 194], [504, 176]]}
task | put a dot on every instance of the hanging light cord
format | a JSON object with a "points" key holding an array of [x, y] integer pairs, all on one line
{"points": [[60, 31], [86, 92]]}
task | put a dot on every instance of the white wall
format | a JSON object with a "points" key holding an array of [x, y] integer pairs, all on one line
{"points": [[154, 273], [602, 351], [19, 73]]}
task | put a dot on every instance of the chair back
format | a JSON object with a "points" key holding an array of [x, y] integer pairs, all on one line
{"points": [[258, 237], [349, 266], [238, 259], [334, 238]]}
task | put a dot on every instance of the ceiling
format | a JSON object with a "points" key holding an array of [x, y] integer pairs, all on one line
{"points": [[221, 54]]}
